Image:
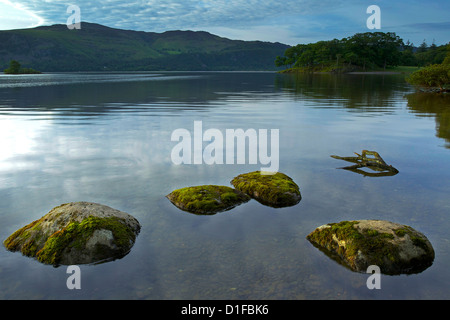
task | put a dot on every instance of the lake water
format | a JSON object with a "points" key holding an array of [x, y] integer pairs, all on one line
{"points": [[106, 138]]}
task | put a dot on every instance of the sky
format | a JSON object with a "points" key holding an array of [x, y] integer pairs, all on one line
{"points": [[287, 21]]}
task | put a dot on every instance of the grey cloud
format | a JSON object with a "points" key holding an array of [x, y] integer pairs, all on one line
{"points": [[181, 14], [299, 21], [430, 26]]}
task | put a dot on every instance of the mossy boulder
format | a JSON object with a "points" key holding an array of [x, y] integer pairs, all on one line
{"points": [[274, 190], [394, 248], [77, 233], [207, 199]]}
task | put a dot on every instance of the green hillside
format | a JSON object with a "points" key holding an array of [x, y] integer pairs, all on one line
{"points": [[98, 48]]}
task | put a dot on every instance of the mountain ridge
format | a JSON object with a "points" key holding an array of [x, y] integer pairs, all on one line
{"points": [[96, 47]]}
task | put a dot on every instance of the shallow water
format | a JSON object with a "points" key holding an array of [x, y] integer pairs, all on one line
{"points": [[106, 138]]}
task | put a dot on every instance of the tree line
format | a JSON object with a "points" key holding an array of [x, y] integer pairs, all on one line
{"points": [[362, 51]]}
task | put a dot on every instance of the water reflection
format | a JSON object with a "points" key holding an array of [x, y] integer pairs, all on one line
{"points": [[98, 94], [435, 105], [336, 257], [110, 143], [355, 92]]}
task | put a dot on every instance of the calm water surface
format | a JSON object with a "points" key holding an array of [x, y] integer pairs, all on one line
{"points": [[106, 138]]}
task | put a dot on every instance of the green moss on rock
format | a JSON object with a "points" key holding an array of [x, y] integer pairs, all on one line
{"points": [[395, 248], [76, 236], [76, 233], [275, 190], [207, 199]]}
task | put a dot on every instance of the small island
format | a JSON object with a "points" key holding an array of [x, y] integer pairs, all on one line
{"points": [[15, 68], [428, 67]]}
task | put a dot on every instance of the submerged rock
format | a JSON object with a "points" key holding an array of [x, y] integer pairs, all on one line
{"points": [[77, 233], [207, 199], [274, 190], [394, 248]]}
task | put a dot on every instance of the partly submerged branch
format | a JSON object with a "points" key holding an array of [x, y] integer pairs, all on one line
{"points": [[375, 163]]}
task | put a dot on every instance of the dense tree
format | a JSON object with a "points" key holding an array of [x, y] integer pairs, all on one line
{"points": [[447, 58], [388, 46], [433, 76], [423, 47], [292, 54], [14, 67], [373, 49], [370, 50], [431, 55], [280, 61]]}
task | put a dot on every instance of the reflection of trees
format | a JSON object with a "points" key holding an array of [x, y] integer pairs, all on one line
{"points": [[432, 104], [362, 92]]}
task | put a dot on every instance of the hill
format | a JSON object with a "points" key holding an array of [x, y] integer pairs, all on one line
{"points": [[98, 48]]}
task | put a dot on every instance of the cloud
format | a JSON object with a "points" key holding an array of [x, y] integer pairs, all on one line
{"points": [[295, 21], [430, 32], [239, 19], [15, 16], [428, 26], [176, 14]]}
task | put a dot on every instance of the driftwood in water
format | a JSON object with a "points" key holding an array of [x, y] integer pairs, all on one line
{"points": [[375, 163]]}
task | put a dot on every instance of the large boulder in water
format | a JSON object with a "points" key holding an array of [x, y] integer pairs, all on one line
{"points": [[271, 189], [77, 233], [394, 248]]}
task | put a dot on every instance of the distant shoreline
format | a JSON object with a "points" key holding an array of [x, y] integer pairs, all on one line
{"points": [[375, 72], [353, 69], [386, 72]]}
